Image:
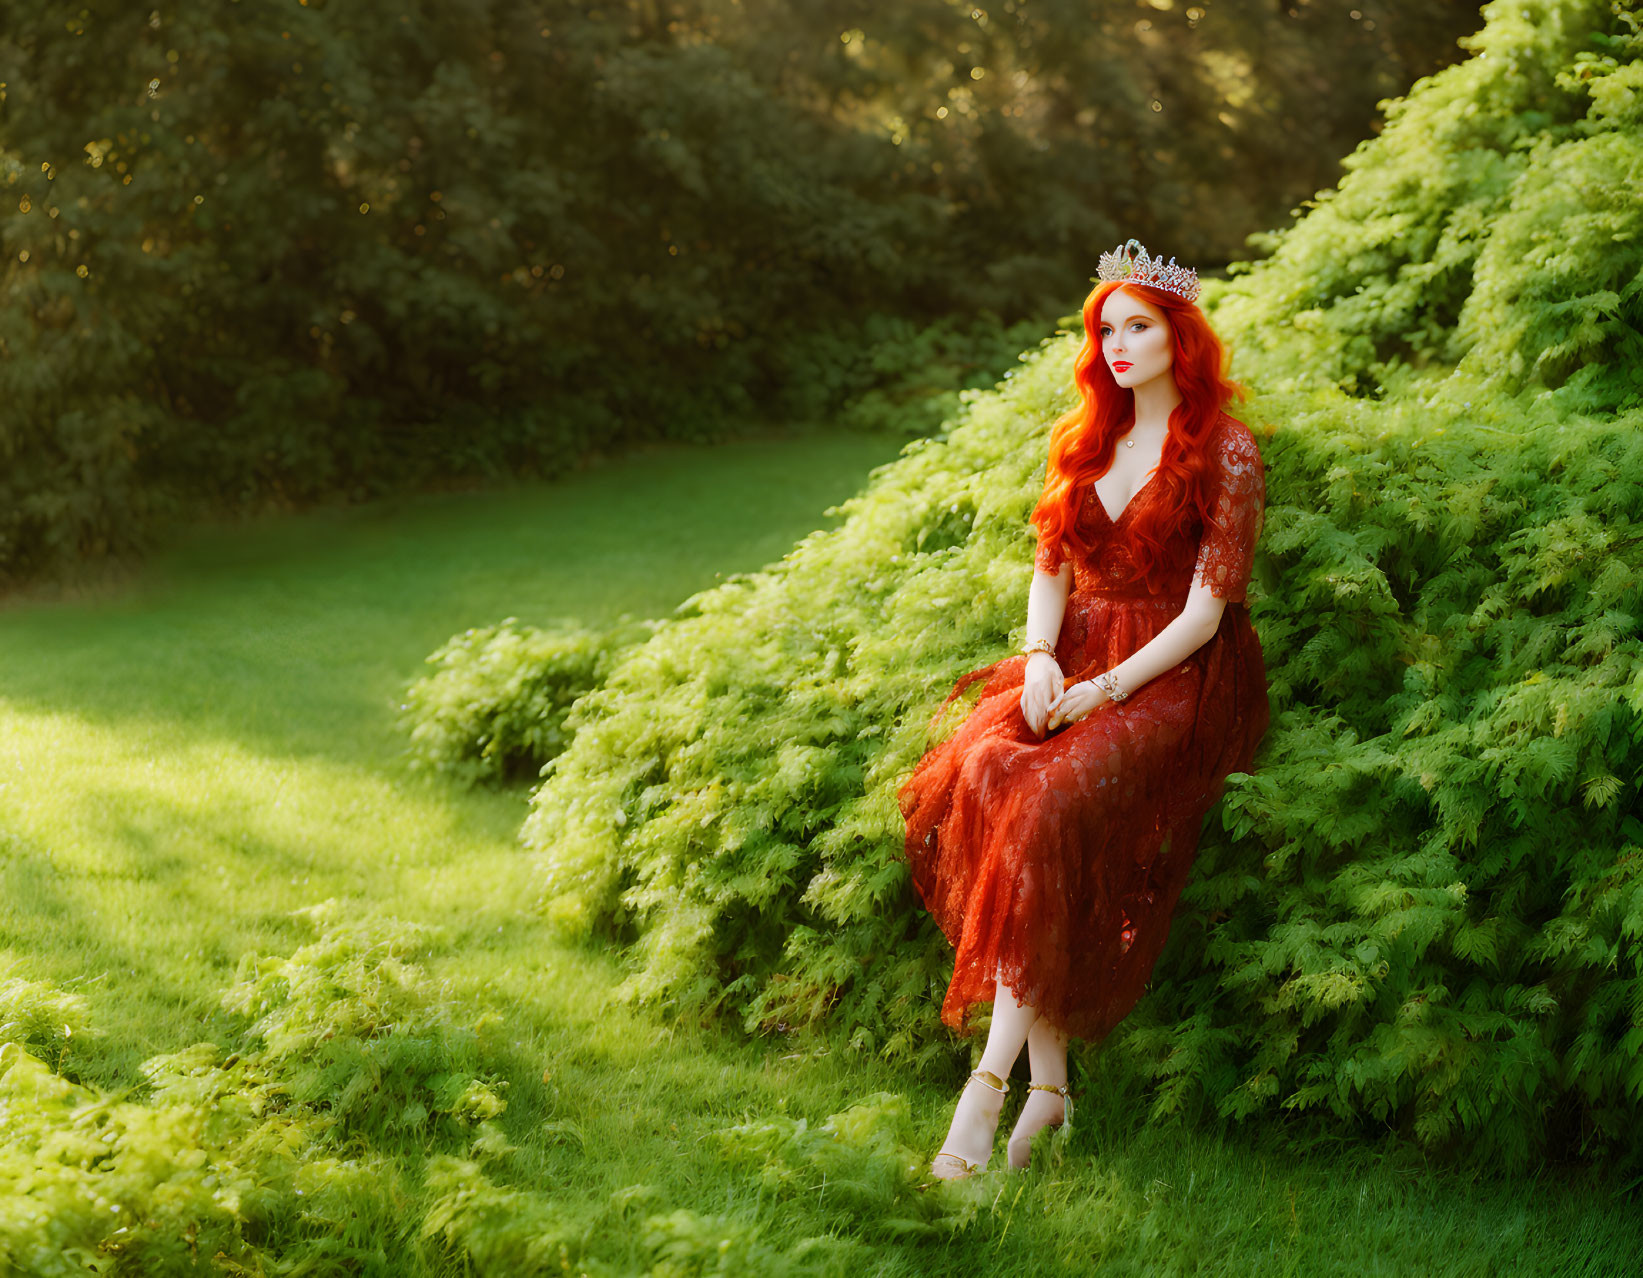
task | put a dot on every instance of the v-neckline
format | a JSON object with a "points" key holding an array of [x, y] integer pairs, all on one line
{"points": [[1134, 497]]}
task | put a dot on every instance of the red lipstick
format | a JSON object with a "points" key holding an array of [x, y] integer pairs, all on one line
{"points": [[1120, 365]]}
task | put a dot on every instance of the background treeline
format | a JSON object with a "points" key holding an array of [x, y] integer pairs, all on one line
{"points": [[1424, 909], [266, 253]]}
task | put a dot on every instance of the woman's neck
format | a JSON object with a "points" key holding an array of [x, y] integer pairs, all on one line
{"points": [[1154, 402]]}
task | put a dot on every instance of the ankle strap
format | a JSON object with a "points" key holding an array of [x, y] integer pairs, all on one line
{"points": [[1066, 1098], [989, 1079]]}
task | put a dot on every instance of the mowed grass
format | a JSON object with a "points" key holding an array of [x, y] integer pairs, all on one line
{"points": [[189, 758]]}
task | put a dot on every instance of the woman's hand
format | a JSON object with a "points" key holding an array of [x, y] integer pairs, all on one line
{"points": [[1076, 701], [1040, 687]]}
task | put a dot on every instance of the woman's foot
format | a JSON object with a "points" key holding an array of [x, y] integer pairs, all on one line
{"points": [[969, 1142], [1045, 1107]]}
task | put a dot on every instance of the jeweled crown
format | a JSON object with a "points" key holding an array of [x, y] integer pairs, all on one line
{"points": [[1121, 265]]}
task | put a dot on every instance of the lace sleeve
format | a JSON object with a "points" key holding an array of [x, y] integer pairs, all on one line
{"points": [[1049, 556], [1237, 511]]}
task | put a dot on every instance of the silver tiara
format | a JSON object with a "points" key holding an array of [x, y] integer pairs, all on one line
{"points": [[1141, 269]]}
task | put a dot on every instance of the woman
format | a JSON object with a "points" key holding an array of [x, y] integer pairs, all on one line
{"points": [[1051, 834]]}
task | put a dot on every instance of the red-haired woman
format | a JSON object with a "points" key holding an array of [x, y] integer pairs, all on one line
{"points": [[1051, 834]]}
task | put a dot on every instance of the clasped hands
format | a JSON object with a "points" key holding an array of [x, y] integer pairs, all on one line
{"points": [[1049, 702]]}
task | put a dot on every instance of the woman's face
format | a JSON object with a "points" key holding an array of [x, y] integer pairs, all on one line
{"points": [[1135, 339]]}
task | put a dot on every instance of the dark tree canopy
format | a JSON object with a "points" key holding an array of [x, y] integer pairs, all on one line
{"points": [[263, 255]]}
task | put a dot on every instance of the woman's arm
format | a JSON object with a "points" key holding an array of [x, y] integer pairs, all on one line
{"points": [[1190, 630], [1046, 605]]}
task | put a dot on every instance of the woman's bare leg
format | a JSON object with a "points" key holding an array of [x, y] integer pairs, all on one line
{"points": [[1047, 1055], [976, 1119], [1012, 1022]]}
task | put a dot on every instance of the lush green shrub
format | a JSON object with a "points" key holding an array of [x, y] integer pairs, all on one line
{"points": [[1424, 907], [1490, 229], [494, 709]]}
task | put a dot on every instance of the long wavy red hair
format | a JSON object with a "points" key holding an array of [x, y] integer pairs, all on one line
{"points": [[1082, 441]]}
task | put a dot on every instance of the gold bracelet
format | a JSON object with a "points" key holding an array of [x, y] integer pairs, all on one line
{"points": [[1038, 645], [1108, 683]]}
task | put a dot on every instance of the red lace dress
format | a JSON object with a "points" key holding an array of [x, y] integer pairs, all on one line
{"points": [[1056, 864]]}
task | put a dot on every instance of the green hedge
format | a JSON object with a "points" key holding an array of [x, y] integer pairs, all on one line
{"points": [[1424, 907]]}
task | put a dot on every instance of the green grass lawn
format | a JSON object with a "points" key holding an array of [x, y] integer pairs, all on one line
{"points": [[190, 757]]}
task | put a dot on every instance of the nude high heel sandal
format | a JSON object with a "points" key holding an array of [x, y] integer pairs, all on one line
{"points": [[986, 1078], [1065, 1124]]}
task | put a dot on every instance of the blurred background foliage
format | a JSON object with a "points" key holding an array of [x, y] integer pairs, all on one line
{"points": [[259, 254]]}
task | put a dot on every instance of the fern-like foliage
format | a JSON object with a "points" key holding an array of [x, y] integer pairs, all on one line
{"points": [[275, 1157], [494, 707]]}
